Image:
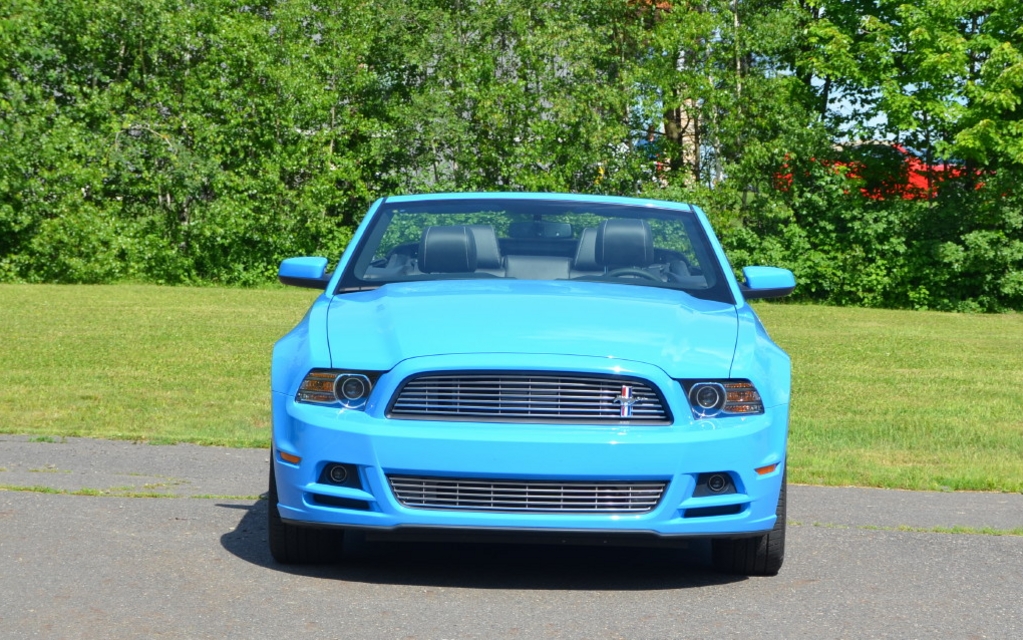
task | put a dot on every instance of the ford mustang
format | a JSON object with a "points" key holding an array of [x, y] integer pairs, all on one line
{"points": [[531, 367]]}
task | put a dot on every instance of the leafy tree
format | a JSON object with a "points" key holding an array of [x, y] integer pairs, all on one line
{"points": [[182, 142]]}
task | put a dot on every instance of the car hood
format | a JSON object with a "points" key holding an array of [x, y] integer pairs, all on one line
{"points": [[684, 336]]}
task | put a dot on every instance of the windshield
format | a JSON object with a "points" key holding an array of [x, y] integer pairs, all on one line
{"points": [[528, 239]]}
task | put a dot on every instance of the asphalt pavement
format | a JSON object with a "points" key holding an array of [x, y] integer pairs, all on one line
{"points": [[123, 540]]}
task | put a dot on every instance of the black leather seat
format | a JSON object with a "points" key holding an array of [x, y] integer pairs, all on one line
{"points": [[624, 243], [447, 250], [488, 251], [585, 261]]}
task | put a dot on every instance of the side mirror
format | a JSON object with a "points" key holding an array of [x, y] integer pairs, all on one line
{"points": [[767, 282], [309, 273]]}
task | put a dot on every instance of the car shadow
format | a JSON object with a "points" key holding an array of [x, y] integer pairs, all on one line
{"points": [[487, 565]]}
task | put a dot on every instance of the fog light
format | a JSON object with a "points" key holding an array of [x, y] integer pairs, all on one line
{"points": [[337, 474], [717, 483]]}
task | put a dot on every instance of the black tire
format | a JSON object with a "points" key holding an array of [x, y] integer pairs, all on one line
{"points": [[759, 556], [290, 544]]}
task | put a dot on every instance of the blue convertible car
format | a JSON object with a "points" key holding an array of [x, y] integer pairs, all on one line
{"points": [[531, 367]]}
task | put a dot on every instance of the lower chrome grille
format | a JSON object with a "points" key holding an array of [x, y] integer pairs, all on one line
{"points": [[525, 397], [466, 494]]}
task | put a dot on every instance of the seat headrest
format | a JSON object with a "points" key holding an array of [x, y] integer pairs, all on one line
{"points": [[586, 251], [488, 253], [624, 242], [447, 250]]}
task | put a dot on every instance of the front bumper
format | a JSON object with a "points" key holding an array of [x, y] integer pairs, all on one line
{"points": [[378, 447]]}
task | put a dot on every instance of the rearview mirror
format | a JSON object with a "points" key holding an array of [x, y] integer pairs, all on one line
{"points": [[540, 229]]}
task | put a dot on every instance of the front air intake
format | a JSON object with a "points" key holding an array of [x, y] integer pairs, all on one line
{"points": [[531, 496]]}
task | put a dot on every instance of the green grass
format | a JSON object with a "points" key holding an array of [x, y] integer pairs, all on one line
{"points": [[902, 399], [112, 492], [909, 399], [144, 363]]}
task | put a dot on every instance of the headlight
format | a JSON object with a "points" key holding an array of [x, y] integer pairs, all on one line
{"points": [[349, 389], [718, 398]]}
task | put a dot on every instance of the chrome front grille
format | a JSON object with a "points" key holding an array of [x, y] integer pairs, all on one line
{"points": [[515, 397], [531, 496]]}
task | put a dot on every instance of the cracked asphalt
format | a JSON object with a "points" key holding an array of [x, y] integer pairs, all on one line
{"points": [[104, 539]]}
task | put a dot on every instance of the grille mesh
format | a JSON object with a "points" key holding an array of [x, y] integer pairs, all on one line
{"points": [[526, 496], [505, 397]]}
